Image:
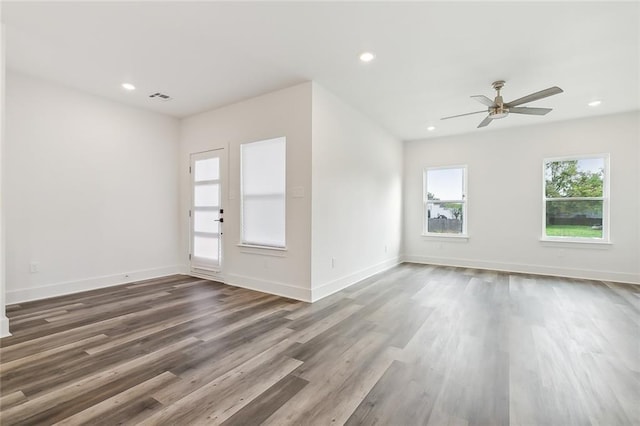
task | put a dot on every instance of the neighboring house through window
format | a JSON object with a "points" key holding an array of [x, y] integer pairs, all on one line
{"points": [[445, 201]]}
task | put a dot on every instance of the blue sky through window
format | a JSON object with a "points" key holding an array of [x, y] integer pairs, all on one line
{"points": [[445, 184]]}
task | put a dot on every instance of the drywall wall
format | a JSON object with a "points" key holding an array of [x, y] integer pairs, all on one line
{"points": [[505, 198], [4, 322], [357, 195], [285, 113], [90, 192]]}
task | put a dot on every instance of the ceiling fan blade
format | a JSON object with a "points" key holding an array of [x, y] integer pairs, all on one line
{"points": [[485, 122], [529, 110], [534, 96], [484, 100], [462, 115]]}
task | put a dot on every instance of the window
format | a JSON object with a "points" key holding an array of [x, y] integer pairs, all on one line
{"points": [[263, 192], [445, 205], [575, 196]]}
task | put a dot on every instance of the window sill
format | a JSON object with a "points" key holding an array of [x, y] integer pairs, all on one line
{"points": [[445, 237], [263, 250], [586, 243]]}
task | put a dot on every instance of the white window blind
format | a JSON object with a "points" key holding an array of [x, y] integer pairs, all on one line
{"points": [[263, 183]]}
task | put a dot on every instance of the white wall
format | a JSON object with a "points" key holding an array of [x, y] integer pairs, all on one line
{"points": [[505, 192], [357, 196], [90, 192], [4, 322], [283, 113]]}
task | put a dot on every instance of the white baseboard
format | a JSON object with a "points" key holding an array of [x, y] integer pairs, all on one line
{"points": [[68, 287], [271, 287], [4, 326], [588, 274], [341, 283]]}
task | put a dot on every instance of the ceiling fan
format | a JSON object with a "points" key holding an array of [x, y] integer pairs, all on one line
{"points": [[499, 109]]}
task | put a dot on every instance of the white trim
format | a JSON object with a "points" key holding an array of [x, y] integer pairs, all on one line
{"points": [[464, 201], [577, 157], [445, 236], [341, 283], [263, 250], [206, 270], [4, 326], [207, 275], [184, 269], [621, 277], [574, 242], [606, 197], [574, 198], [220, 154], [271, 287], [69, 287]]}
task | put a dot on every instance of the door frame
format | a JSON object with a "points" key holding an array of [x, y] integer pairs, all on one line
{"points": [[201, 271]]}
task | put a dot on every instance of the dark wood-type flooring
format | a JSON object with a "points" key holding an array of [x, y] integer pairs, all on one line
{"points": [[414, 345]]}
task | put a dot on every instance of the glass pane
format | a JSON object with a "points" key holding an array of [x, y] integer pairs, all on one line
{"points": [[206, 195], [263, 220], [444, 218], [205, 221], [208, 169], [205, 247], [263, 167], [574, 178], [445, 184], [570, 218]]}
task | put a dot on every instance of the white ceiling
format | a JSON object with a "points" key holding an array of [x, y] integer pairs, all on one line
{"points": [[430, 56]]}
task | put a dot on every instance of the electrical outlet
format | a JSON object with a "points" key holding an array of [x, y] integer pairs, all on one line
{"points": [[333, 262], [34, 267]]}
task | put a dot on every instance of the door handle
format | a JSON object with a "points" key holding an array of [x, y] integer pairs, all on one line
{"points": [[221, 220]]}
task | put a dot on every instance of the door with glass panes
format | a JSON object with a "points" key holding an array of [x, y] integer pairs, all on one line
{"points": [[206, 213]]}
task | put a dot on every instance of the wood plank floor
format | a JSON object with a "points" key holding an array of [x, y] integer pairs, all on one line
{"points": [[416, 345]]}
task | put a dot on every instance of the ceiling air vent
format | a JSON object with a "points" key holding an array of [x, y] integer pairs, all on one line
{"points": [[160, 96]]}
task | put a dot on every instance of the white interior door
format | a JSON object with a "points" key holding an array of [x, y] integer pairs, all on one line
{"points": [[207, 213]]}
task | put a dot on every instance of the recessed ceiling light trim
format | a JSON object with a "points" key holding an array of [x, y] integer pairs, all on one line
{"points": [[594, 103], [431, 128], [128, 86]]}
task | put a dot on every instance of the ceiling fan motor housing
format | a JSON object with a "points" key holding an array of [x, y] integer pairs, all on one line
{"points": [[498, 111]]}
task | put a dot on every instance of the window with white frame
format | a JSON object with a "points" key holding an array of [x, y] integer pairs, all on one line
{"points": [[575, 198], [445, 201], [262, 188]]}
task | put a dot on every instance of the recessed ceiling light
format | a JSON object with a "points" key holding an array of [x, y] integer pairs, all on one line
{"points": [[367, 57], [128, 86], [431, 128], [594, 103]]}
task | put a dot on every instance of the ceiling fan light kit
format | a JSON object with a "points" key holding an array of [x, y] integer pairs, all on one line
{"points": [[498, 109]]}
